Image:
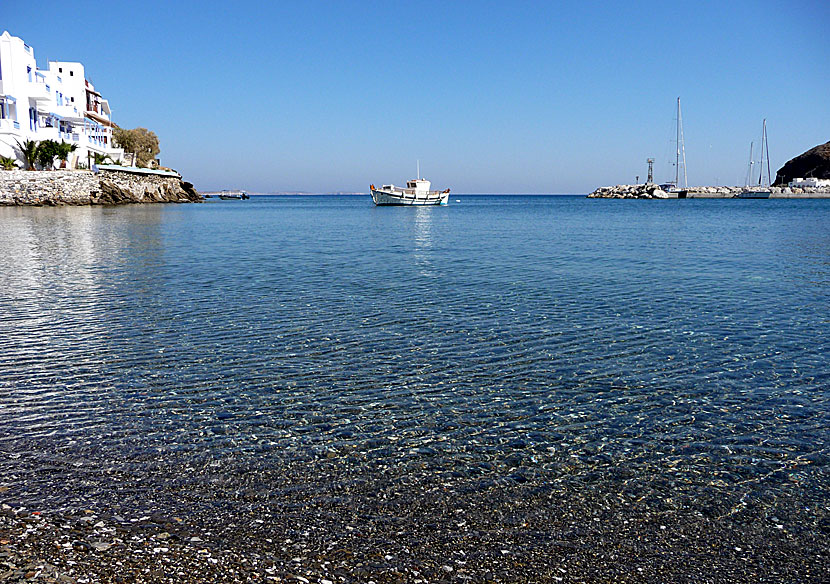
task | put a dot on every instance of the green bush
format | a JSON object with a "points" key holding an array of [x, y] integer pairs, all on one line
{"points": [[8, 163], [47, 150]]}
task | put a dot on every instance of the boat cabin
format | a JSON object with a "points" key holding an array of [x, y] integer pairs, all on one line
{"points": [[420, 185]]}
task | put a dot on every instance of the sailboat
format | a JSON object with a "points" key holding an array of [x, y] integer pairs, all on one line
{"points": [[680, 159], [761, 189]]}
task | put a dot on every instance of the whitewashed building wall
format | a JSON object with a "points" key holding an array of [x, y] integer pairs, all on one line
{"points": [[56, 103]]}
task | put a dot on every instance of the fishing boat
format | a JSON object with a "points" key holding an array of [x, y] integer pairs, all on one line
{"points": [[233, 195], [760, 190], [416, 192]]}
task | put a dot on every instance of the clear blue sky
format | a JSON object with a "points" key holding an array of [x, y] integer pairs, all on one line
{"points": [[517, 97]]}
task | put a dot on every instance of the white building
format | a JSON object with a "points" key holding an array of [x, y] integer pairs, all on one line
{"points": [[810, 182], [57, 103]]}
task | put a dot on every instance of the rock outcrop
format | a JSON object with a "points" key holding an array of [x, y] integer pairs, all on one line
{"points": [[63, 187], [814, 163]]}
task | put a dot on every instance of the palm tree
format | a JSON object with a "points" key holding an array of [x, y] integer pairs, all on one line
{"points": [[101, 158], [29, 150], [64, 149]]}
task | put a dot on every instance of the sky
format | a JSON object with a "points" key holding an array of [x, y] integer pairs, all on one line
{"points": [[490, 97]]}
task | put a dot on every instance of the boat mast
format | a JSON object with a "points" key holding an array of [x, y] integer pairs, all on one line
{"points": [[764, 152], [419, 169], [677, 148], [769, 174], [681, 151], [751, 163]]}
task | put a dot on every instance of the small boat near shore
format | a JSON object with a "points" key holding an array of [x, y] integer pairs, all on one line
{"points": [[416, 193], [233, 195], [756, 193], [227, 195]]}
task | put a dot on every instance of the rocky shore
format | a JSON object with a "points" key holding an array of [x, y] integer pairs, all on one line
{"points": [[653, 191], [106, 187], [644, 191]]}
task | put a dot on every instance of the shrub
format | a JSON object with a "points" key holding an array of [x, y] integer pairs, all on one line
{"points": [[8, 163], [47, 150], [140, 141]]}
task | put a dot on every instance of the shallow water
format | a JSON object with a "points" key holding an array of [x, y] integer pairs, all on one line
{"points": [[320, 351]]}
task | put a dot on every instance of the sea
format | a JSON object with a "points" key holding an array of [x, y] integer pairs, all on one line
{"points": [[521, 380]]}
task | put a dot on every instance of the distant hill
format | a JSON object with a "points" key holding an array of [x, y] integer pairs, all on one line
{"points": [[814, 163]]}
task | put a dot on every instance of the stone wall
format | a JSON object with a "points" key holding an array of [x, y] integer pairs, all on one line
{"points": [[73, 187]]}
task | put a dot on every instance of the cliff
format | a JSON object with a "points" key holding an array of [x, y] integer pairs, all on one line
{"points": [[107, 187], [813, 163]]}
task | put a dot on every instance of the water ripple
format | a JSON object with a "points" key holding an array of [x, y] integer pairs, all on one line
{"points": [[556, 339]]}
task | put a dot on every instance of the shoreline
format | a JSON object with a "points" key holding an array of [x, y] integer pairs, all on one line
{"points": [[539, 533], [109, 186]]}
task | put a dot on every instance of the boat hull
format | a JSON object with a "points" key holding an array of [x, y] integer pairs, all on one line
{"points": [[385, 198], [753, 195]]}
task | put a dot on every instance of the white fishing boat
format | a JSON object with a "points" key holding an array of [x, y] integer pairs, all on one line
{"points": [[416, 192], [760, 190]]}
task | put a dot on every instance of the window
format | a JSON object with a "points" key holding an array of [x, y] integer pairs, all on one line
{"points": [[71, 73], [60, 69], [29, 73], [73, 99]]}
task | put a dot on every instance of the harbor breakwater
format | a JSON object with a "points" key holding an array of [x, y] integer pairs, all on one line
{"points": [[653, 191], [106, 187]]}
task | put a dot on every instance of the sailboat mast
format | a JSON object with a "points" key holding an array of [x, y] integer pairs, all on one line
{"points": [[682, 145], [749, 167], [677, 149], [769, 173], [763, 143], [680, 151], [419, 169]]}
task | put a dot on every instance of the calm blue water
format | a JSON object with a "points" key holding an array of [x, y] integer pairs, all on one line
{"points": [[245, 354]]}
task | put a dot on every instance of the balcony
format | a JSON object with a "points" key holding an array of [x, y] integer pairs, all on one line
{"points": [[39, 93], [9, 125], [67, 112], [46, 133]]}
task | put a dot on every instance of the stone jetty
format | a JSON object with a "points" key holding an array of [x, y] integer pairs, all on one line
{"points": [[644, 191], [653, 191], [109, 186]]}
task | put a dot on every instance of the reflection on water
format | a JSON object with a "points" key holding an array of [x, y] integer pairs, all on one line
{"points": [[509, 343]]}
